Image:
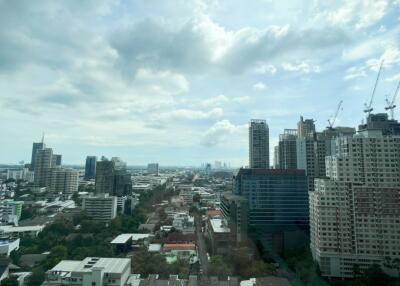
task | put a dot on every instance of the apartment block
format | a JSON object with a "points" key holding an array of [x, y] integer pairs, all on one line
{"points": [[101, 207]]}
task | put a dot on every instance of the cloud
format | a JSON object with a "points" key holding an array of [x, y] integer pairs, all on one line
{"points": [[355, 72], [259, 86], [302, 67], [220, 131], [215, 101], [189, 114], [396, 77], [264, 68]]}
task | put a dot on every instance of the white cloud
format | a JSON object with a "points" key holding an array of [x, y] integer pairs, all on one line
{"points": [[220, 131], [264, 68], [355, 72], [302, 67], [189, 114], [240, 99], [393, 78], [259, 86], [215, 101]]}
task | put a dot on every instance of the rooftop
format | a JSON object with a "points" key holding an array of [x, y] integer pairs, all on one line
{"points": [[124, 238], [110, 265], [219, 225]]}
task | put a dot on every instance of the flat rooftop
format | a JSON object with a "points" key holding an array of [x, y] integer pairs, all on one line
{"points": [[110, 265], [219, 225], [124, 237]]}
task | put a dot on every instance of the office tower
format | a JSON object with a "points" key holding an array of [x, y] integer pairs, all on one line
{"points": [[43, 164], [287, 149], [277, 206], [152, 168], [355, 209], [57, 160], [104, 176], [101, 207], [122, 184], [35, 148], [64, 182], [305, 128], [90, 167], [258, 144]]}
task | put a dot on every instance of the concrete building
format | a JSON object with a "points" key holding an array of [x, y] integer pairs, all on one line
{"points": [[258, 144], [64, 182], [8, 245], [277, 206], [21, 174], [276, 157], [92, 271], [112, 177], [355, 209], [152, 169], [220, 235], [90, 167], [10, 211], [43, 165], [183, 222], [35, 147], [20, 231], [305, 128], [235, 210], [287, 149], [57, 160], [104, 176], [101, 207]]}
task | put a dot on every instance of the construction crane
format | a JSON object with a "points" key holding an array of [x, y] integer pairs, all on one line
{"points": [[332, 120], [368, 107], [391, 104]]}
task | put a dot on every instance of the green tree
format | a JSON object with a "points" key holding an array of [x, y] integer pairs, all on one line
{"points": [[218, 267], [9, 281], [37, 277]]}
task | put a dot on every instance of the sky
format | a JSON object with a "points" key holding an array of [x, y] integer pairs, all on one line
{"points": [[177, 81]]}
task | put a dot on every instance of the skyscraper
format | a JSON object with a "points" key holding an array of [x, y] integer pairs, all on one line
{"points": [[35, 147], [258, 144], [287, 149], [305, 128], [43, 164], [152, 168], [104, 176], [57, 160], [355, 209], [90, 167]]}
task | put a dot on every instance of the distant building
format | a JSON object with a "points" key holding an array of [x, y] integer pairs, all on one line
{"points": [[8, 245], [258, 144], [92, 271], [305, 128], [112, 177], [287, 149], [183, 222], [35, 148], [104, 176], [90, 167], [21, 174], [10, 211], [277, 205], [152, 169], [101, 207], [220, 235], [64, 182], [43, 164], [276, 157], [57, 160]]}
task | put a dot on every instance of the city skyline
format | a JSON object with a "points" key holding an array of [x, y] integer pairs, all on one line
{"points": [[177, 83]]}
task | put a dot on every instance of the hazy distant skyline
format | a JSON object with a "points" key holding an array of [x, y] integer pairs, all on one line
{"points": [[176, 82]]}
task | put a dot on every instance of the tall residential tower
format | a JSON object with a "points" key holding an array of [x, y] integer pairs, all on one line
{"points": [[258, 144]]}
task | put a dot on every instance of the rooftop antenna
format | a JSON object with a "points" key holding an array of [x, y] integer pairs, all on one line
{"points": [[368, 107], [391, 104]]}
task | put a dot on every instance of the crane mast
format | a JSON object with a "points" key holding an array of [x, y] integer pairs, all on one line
{"points": [[391, 104], [368, 107], [332, 121]]}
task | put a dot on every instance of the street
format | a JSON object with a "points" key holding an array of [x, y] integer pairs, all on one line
{"points": [[202, 249]]}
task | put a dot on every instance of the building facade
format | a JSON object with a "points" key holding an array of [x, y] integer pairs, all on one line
{"points": [[101, 207], [287, 149], [43, 164], [277, 205], [258, 144], [35, 147], [90, 167], [10, 211], [152, 169], [64, 182], [355, 210]]}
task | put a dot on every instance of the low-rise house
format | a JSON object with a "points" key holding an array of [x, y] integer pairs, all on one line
{"points": [[20, 231], [126, 241], [8, 245], [183, 222]]}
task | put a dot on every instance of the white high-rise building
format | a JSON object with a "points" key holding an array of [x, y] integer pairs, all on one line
{"points": [[101, 207], [355, 210], [258, 144]]}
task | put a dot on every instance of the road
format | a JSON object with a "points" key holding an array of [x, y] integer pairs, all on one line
{"points": [[202, 249]]}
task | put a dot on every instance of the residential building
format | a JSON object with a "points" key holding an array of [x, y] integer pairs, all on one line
{"points": [[57, 160], [355, 209], [305, 128], [183, 222], [101, 207], [64, 182], [152, 169], [180, 251], [287, 149], [277, 205], [276, 157], [20, 231], [258, 144], [35, 147], [104, 176], [92, 271], [10, 211], [90, 167], [21, 174]]}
